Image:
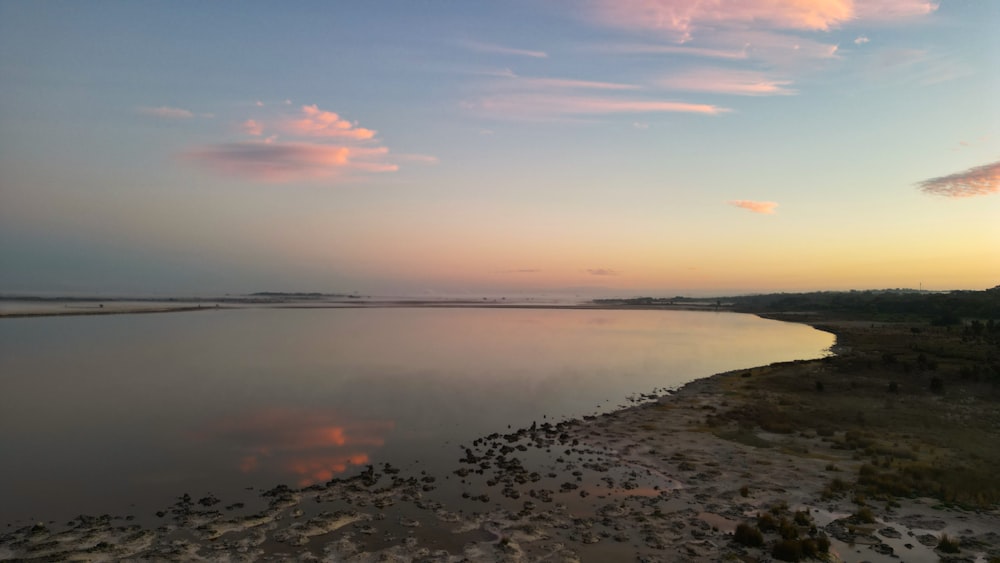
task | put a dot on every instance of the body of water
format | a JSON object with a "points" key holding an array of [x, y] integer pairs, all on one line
{"points": [[123, 413]]}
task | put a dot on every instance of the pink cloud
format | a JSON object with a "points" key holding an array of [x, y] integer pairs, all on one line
{"points": [[315, 122], [316, 145], [166, 112], [251, 127], [781, 33], [981, 180], [893, 10], [766, 207], [722, 81], [287, 162], [682, 18]]}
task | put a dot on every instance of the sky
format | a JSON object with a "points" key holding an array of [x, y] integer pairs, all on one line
{"points": [[604, 147]]}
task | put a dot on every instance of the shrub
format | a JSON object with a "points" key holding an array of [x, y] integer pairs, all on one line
{"points": [[778, 507], [787, 550], [864, 514], [787, 530], [748, 535], [766, 522], [802, 517], [810, 548], [823, 543], [947, 545]]}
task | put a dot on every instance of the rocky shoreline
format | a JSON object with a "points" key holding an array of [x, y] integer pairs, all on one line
{"points": [[671, 479]]}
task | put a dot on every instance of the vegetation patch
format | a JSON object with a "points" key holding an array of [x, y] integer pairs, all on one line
{"points": [[745, 437], [947, 545]]}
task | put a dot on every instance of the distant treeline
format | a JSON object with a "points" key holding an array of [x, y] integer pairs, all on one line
{"points": [[939, 308]]}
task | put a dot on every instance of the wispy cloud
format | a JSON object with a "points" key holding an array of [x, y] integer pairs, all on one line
{"points": [[918, 66], [765, 207], [893, 10], [418, 158], [602, 272], [681, 19], [661, 49], [981, 180], [778, 49], [566, 83], [727, 81], [786, 34], [535, 98], [861, 40], [166, 112], [504, 50], [541, 105], [962, 145]]}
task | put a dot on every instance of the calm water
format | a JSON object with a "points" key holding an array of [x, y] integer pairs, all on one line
{"points": [[123, 413]]}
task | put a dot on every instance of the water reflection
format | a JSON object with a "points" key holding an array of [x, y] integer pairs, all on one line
{"points": [[298, 396], [310, 446]]}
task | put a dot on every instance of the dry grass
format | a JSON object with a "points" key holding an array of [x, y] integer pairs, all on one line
{"points": [[919, 404]]}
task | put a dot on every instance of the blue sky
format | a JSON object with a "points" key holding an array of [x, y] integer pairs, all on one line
{"points": [[654, 146]]}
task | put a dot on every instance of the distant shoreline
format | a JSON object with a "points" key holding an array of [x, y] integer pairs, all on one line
{"points": [[46, 307]]}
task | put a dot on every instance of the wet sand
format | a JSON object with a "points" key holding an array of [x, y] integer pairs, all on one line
{"points": [[666, 480]]}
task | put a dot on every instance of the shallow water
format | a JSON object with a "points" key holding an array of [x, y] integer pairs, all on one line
{"points": [[124, 413]]}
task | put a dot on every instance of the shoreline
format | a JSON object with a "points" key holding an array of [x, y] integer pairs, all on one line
{"points": [[45, 307], [665, 480]]}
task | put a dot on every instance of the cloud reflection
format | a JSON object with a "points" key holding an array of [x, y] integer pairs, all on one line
{"points": [[313, 446]]}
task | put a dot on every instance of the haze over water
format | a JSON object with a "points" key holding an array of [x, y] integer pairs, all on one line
{"points": [[124, 413]]}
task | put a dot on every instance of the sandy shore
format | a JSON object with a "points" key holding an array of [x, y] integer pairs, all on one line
{"points": [[667, 480]]}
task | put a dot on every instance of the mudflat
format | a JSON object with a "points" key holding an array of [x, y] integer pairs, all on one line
{"points": [[884, 451]]}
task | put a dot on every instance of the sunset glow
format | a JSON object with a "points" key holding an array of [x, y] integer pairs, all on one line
{"points": [[603, 148]]}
